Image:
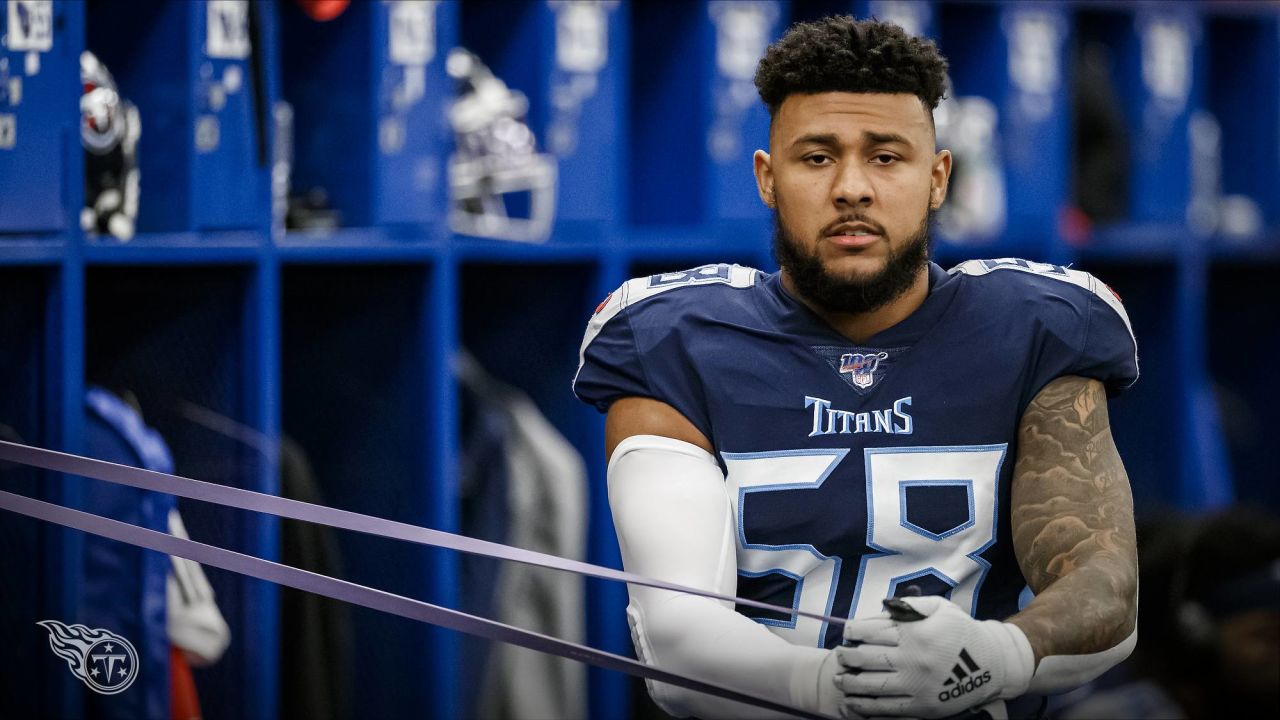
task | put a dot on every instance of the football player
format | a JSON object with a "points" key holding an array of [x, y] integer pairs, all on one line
{"points": [[865, 425]]}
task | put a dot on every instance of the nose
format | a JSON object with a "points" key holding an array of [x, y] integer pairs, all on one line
{"points": [[852, 186]]}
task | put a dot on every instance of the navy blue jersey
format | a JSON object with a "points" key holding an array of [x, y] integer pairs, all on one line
{"points": [[861, 471]]}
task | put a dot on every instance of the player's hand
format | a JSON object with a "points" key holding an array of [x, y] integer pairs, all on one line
{"points": [[933, 667]]}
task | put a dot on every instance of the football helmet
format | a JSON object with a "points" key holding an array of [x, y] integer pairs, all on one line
{"points": [[976, 208], [495, 160], [109, 130]]}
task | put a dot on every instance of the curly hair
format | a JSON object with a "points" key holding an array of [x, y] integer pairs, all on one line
{"points": [[841, 54]]}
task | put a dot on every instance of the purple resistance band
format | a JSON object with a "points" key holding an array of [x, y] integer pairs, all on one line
{"points": [[344, 519], [341, 589]]}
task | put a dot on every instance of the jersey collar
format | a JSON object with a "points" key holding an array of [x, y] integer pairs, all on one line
{"points": [[795, 318]]}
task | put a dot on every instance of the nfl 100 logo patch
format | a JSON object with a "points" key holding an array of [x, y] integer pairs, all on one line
{"points": [[103, 660], [862, 367]]}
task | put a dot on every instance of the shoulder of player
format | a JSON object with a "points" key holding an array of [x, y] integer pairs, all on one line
{"points": [[1021, 285], [713, 290]]}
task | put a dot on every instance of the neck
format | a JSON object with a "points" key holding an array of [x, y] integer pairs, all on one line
{"points": [[859, 327]]}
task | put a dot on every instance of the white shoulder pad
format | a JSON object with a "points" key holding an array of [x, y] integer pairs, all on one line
{"points": [[643, 288], [1057, 272]]}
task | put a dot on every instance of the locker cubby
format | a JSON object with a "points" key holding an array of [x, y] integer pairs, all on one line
{"points": [[172, 337], [29, 574], [1245, 335], [24, 324], [1247, 110], [570, 60], [380, 154], [180, 341], [200, 76], [357, 394], [1148, 54], [524, 324], [511, 40], [1147, 420], [985, 44], [695, 117]]}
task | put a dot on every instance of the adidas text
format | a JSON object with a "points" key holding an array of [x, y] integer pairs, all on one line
{"points": [[973, 683]]}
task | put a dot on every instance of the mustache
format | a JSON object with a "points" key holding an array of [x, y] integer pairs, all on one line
{"points": [[852, 218]]}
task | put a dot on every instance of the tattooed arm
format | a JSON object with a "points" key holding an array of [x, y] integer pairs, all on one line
{"points": [[1074, 539], [1072, 523]]}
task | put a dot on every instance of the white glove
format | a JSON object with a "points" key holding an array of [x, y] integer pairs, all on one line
{"points": [[193, 620], [934, 667]]}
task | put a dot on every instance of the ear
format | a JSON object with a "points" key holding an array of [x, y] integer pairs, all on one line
{"points": [[763, 168], [939, 177]]}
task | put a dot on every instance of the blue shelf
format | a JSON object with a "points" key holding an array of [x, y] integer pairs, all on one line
{"points": [[1237, 8], [470, 249], [31, 251], [660, 242], [1265, 248], [1152, 242], [179, 248], [726, 241], [362, 245], [947, 252], [570, 241], [1246, 8]]}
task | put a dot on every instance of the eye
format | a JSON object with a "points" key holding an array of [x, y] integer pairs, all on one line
{"points": [[818, 159], [884, 159]]}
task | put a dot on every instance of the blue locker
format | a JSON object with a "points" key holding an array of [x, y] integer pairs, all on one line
{"points": [[1247, 110], [581, 111], [199, 80], [1161, 84], [1154, 51], [1014, 56], [696, 117], [569, 59], [369, 94], [737, 123], [29, 549], [917, 17], [39, 72]]}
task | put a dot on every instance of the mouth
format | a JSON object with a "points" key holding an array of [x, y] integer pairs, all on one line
{"points": [[854, 235]]}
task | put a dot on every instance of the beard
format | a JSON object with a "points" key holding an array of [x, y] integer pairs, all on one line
{"points": [[854, 295]]}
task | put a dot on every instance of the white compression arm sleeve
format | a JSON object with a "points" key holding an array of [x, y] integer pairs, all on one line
{"points": [[674, 523], [1060, 673]]}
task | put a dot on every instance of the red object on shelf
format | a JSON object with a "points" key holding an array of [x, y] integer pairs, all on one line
{"points": [[1074, 226], [323, 10]]}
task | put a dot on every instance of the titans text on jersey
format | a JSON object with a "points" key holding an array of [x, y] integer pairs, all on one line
{"points": [[827, 421], [861, 471]]}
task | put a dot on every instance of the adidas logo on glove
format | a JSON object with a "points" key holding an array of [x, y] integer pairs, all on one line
{"points": [[958, 684]]}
